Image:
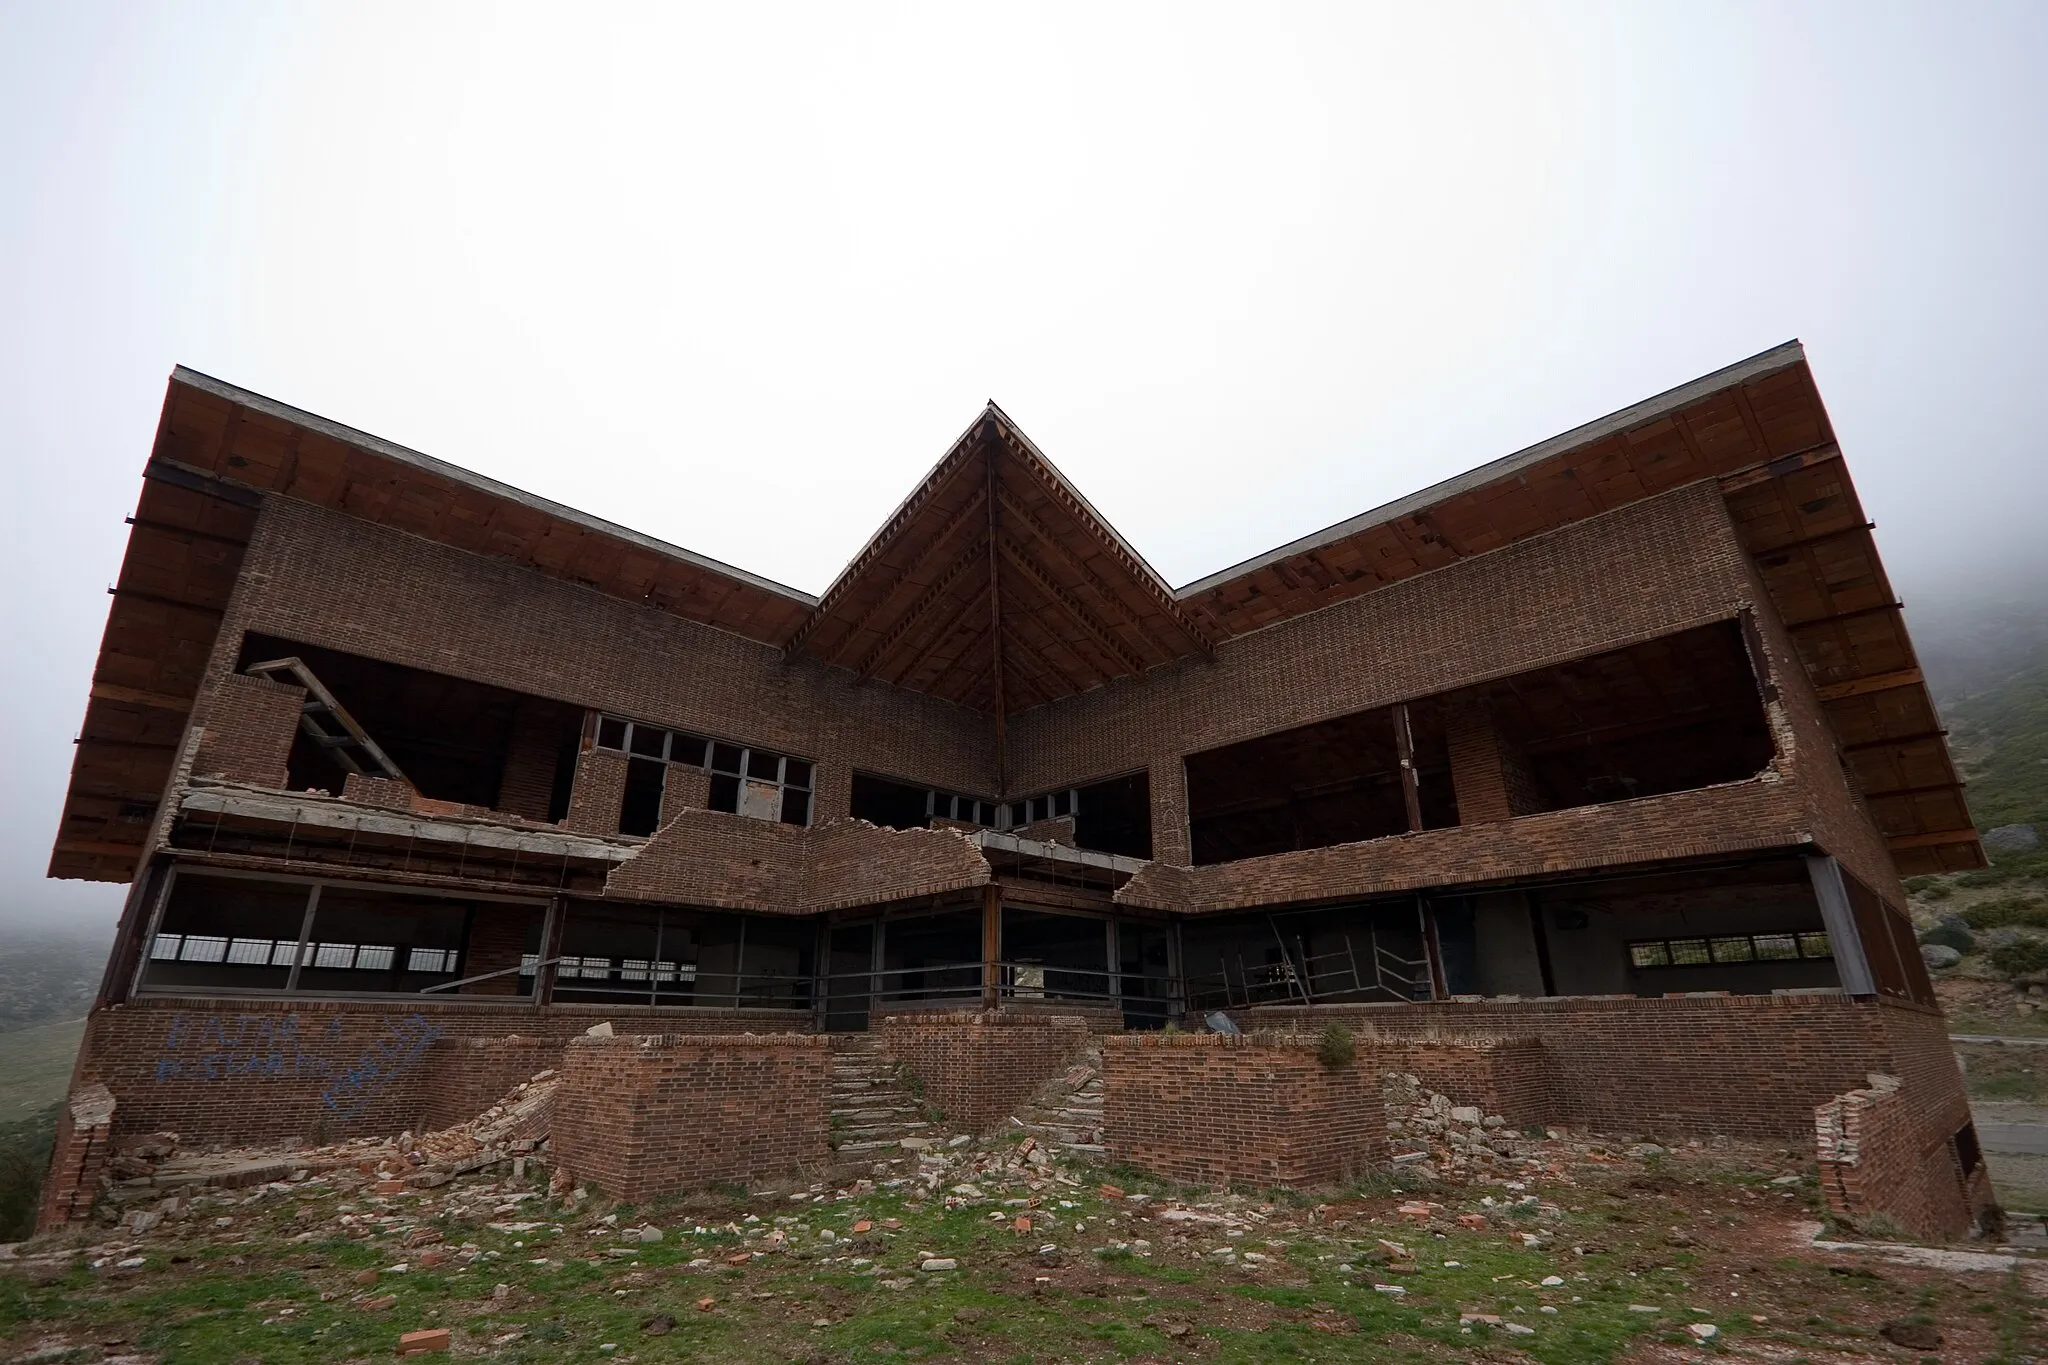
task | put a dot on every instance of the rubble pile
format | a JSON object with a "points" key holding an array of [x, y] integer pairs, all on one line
{"points": [[1438, 1139]]}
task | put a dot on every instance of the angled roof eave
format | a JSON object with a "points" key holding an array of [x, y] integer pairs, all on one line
{"points": [[1780, 357], [482, 483]]}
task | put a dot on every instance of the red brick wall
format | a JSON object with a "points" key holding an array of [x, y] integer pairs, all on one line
{"points": [[250, 724], [78, 1157], [466, 1076], [497, 939], [1760, 813], [247, 1071], [638, 1117], [978, 1068], [1876, 1156], [1201, 1108], [1744, 1065], [597, 793], [1510, 1077], [710, 858], [330, 579], [528, 781], [1490, 778], [684, 788]]}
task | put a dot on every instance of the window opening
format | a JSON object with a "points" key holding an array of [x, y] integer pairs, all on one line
{"points": [[1722, 949], [757, 783]]}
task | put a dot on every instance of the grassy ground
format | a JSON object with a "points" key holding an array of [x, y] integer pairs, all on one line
{"points": [[2013, 1074], [1705, 1238], [35, 1066]]}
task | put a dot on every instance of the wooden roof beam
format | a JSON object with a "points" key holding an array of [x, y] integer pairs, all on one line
{"points": [[926, 600], [1103, 634], [896, 581]]}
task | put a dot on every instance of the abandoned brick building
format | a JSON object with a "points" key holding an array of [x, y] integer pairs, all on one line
{"points": [[1611, 753]]}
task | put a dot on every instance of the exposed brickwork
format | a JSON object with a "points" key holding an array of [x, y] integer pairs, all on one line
{"points": [[643, 1116], [1202, 1108], [1507, 1076], [1490, 777], [1876, 1157], [466, 1076], [528, 781], [597, 793], [243, 1071], [250, 724], [78, 1157], [1743, 1065], [497, 940], [1761, 813], [684, 788], [710, 858], [1057, 829], [978, 1068]]}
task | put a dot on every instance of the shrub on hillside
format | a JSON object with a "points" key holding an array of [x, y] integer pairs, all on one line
{"points": [[2023, 957], [2005, 910]]}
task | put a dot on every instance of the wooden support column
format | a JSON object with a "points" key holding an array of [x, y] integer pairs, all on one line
{"points": [[1433, 949], [991, 946], [551, 930], [1404, 746]]}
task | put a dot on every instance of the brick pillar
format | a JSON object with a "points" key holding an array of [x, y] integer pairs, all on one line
{"points": [[598, 794], [250, 725], [686, 788], [528, 781], [1168, 779], [1489, 774], [497, 939], [77, 1158]]}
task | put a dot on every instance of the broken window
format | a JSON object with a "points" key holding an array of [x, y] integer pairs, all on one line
{"points": [[901, 805], [452, 739], [658, 956], [1115, 816], [744, 781]]}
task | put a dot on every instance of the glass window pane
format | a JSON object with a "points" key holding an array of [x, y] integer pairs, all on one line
{"points": [[282, 952], [250, 952], [1690, 952], [725, 758], [529, 964], [764, 765], [1648, 955], [1815, 945], [1733, 948], [334, 955], [611, 733], [649, 741], [375, 957], [796, 773], [1776, 947], [633, 969], [165, 947]]}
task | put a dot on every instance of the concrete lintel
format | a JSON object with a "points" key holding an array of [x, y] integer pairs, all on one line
{"points": [[330, 814], [1059, 853]]}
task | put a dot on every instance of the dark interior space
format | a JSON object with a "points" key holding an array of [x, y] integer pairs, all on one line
{"points": [[1334, 782], [1116, 816], [454, 740], [932, 957], [893, 805], [1668, 715], [1055, 956], [640, 811]]}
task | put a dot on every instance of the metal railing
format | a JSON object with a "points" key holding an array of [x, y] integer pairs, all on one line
{"points": [[1371, 971]]}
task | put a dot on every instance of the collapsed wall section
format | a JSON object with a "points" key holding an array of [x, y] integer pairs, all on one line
{"points": [[643, 1116], [78, 1157], [1878, 1157], [978, 1068]]}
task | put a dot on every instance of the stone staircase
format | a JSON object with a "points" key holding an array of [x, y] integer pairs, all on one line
{"points": [[1066, 1113], [872, 1109]]}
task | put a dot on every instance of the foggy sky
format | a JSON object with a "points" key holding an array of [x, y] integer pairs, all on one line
{"points": [[735, 275]]}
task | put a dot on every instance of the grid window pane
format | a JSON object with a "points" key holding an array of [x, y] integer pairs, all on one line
{"points": [[766, 766], [611, 734], [1776, 947], [686, 749], [430, 960], [1734, 948], [529, 964], [203, 948], [796, 773], [1815, 945], [1689, 952], [375, 957], [282, 952], [1648, 955], [648, 742], [164, 948], [725, 758], [334, 955], [250, 952]]}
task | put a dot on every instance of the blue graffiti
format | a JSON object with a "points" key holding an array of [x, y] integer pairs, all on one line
{"points": [[212, 1047], [350, 1091]]}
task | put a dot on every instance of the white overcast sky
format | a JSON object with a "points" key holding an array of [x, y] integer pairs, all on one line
{"points": [[735, 274]]}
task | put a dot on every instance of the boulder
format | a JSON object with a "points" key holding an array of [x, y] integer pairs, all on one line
{"points": [[1939, 955], [2012, 839]]}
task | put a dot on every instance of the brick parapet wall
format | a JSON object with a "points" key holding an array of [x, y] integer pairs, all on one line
{"points": [[644, 1116], [250, 725], [979, 1067], [1768, 812], [234, 1071], [78, 1157], [711, 858], [1201, 1108], [1511, 1077], [465, 1076]]}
